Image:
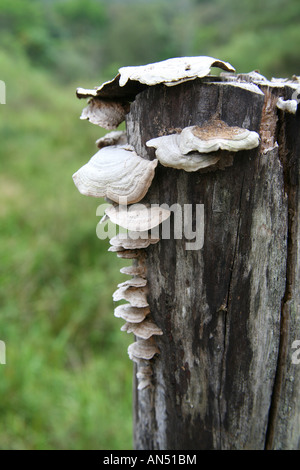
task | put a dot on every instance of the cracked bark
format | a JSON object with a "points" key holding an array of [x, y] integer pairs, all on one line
{"points": [[218, 383], [284, 419]]}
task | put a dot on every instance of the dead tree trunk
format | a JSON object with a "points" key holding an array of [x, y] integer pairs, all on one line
{"points": [[226, 312], [229, 311]]}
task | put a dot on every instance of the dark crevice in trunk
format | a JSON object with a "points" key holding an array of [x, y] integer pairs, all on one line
{"points": [[225, 309]]}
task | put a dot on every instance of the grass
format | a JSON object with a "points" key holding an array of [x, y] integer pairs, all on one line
{"points": [[67, 381]]}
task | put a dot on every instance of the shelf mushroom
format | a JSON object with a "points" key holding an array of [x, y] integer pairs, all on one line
{"points": [[134, 271], [169, 154], [197, 147], [143, 330], [144, 376], [136, 296], [137, 217], [142, 349], [172, 71], [217, 135], [116, 172], [104, 113], [110, 102], [289, 106], [112, 138], [131, 314], [133, 241]]}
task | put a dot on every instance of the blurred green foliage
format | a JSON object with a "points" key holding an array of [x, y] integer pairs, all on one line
{"points": [[98, 36], [67, 382]]}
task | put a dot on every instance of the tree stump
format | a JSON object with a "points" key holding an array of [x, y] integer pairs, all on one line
{"points": [[224, 309], [224, 378]]}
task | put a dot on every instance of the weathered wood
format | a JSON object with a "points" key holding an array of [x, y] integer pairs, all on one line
{"points": [[224, 379], [284, 429]]}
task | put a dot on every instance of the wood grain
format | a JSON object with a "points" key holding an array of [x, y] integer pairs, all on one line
{"points": [[224, 379]]}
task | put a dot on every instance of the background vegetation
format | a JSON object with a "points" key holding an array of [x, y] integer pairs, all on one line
{"points": [[67, 382]]}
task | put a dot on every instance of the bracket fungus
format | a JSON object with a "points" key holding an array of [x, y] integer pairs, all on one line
{"points": [[217, 135], [144, 377], [190, 149], [112, 138], [116, 249], [133, 79], [105, 113], [137, 217], [116, 172], [134, 282], [143, 349], [110, 102], [172, 71], [289, 106], [137, 297], [137, 312], [131, 314], [129, 243], [169, 154], [143, 330], [134, 270], [128, 254]]}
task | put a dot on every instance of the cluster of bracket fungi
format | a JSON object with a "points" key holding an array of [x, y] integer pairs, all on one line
{"points": [[117, 173]]}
